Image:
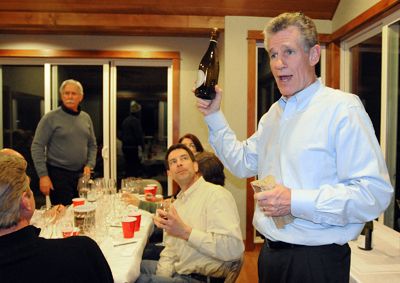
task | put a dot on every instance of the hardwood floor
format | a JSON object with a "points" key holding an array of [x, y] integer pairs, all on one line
{"points": [[248, 274]]}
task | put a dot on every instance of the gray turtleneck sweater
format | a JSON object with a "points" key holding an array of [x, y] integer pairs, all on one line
{"points": [[64, 139]]}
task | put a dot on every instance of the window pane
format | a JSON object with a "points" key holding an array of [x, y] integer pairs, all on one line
{"points": [[366, 77], [23, 97], [147, 87]]}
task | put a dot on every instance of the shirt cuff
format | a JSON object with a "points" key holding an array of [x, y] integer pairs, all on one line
{"points": [[195, 238], [302, 203], [216, 120]]}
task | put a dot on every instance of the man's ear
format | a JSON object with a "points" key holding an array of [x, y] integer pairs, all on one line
{"points": [[26, 203], [314, 54], [196, 166]]}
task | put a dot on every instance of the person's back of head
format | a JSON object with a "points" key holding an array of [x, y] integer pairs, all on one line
{"points": [[195, 140], [13, 183], [211, 168]]}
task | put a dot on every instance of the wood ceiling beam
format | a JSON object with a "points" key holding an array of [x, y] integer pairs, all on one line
{"points": [[112, 24], [321, 9]]}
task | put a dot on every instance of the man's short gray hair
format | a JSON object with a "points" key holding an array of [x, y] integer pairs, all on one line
{"points": [[13, 183], [308, 30], [71, 81]]}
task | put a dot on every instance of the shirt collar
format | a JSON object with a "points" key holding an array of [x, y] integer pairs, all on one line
{"points": [[69, 111], [191, 190], [302, 98]]}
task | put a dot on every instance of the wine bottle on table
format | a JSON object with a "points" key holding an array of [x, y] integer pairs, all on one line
{"points": [[207, 76], [365, 241]]}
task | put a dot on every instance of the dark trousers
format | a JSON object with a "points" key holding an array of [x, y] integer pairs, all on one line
{"points": [[65, 184], [306, 264]]}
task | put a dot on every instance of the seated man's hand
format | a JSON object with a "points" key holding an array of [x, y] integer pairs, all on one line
{"points": [[130, 199], [172, 223]]}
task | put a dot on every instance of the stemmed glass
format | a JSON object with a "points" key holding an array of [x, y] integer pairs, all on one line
{"points": [[48, 218], [165, 206]]}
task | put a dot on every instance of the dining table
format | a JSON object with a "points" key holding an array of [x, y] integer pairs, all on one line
{"points": [[382, 263], [122, 254]]}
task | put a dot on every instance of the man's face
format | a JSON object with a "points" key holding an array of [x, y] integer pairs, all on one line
{"points": [[292, 67], [181, 168], [71, 97]]}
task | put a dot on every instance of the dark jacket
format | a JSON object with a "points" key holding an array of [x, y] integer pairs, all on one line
{"points": [[25, 257]]}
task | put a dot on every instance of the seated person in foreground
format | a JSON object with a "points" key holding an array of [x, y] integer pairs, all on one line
{"points": [[203, 238], [24, 256]]}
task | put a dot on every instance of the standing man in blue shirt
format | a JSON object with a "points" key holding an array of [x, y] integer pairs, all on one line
{"points": [[64, 146], [320, 146]]}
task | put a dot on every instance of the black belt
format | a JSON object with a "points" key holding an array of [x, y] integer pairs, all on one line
{"points": [[204, 278], [280, 245], [65, 170], [283, 245]]}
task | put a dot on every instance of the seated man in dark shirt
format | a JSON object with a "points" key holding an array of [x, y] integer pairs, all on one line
{"points": [[24, 256]]}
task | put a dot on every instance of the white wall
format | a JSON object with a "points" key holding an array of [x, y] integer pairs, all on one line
{"points": [[348, 10]]}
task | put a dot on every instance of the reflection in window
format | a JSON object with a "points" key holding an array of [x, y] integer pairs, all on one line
{"points": [[366, 77], [23, 96], [147, 87]]}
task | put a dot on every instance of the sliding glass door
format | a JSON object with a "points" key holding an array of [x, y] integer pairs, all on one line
{"points": [[28, 91]]}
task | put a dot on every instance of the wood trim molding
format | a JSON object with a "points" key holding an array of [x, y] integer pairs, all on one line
{"points": [[332, 78], [251, 127], [108, 23], [373, 14], [89, 54]]}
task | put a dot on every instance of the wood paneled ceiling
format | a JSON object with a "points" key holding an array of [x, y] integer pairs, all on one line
{"points": [[143, 17]]}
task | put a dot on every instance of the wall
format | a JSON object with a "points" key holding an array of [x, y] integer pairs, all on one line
{"points": [[349, 9]]}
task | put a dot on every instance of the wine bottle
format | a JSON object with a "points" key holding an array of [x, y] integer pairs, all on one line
{"points": [[365, 240], [207, 76]]}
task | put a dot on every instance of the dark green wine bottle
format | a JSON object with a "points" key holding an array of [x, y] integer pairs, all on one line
{"points": [[365, 242], [207, 76]]}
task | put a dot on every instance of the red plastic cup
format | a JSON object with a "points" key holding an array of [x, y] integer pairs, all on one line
{"points": [[75, 232], [78, 201], [138, 216], [151, 189], [128, 226], [67, 232]]}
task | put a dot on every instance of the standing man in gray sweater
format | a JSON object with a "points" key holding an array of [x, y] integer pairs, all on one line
{"points": [[64, 146]]}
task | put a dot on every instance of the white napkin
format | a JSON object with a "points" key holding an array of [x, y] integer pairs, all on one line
{"points": [[48, 202]]}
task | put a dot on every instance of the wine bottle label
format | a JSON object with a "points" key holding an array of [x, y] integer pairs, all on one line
{"points": [[201, 77]]}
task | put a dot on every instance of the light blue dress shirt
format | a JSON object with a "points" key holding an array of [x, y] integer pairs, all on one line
{"points": [[321, 144]]}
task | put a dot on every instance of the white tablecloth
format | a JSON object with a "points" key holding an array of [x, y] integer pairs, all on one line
{"points": [[382, 263], [124, 260]]}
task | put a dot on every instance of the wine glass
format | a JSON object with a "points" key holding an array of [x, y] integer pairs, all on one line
{"points": [[165, 206], [83, 187]]}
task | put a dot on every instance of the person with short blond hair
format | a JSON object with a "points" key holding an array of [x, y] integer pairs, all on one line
{"points": [[26, 257], [13, 184]]}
